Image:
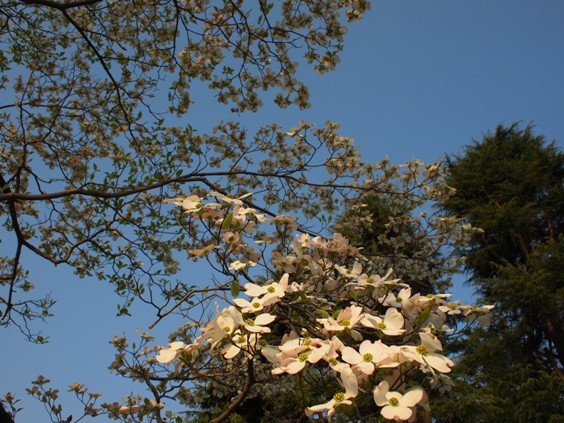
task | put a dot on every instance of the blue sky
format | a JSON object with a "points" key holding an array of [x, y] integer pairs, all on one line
{"points": [[417, 79]]}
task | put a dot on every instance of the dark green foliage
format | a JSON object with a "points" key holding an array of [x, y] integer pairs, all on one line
{"points": [[510, 186]]}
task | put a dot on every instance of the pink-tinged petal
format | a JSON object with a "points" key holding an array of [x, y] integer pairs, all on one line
{"points": [[319, 408], [264, 319], [284, 281], [253, 290], [394, 318], [270, 352], [431, 342], [366, 347], [166, 357], [356, 335], [351, 356], [365, 367], [270, 300], [176, 345], [350, 382], [231, 351], [242, 302], [257, 329], [438, 362], [380, 393], [339, 367], [337, 344], [412, 397], [317, 354], [369, 321], [398, 413], [295, 367]]}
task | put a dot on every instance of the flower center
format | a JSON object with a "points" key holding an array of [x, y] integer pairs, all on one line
{"points": [[333, 361], [367, 357], [381, 325], [227, 329], [344, 322], [394, 402], [250, 322], [271, 289], [256, 304], [307, 341], [422, 349], [241, 339], [303, 357], [339, 397]]}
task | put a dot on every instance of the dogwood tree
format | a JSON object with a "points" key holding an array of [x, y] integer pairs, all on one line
{"points": [[95, 131], [101, 172], [312, 316]]}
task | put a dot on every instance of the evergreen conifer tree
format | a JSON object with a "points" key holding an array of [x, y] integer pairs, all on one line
{"points": [[510, 186]]}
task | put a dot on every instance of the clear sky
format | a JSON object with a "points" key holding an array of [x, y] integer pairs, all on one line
{"points": [[417, 79]]}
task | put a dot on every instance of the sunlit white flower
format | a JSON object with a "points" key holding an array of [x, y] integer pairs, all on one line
{"points": [[332, 356], [166, 355], [400, 300], [364, 280], [287, 263], [350, 384], [355, 272], [190, 204], [224, 325], [391, 324], [426, 353], [396, 406], [370, 356], [292, 365], [239, 265], [240, 342], [253, 306], [258, 324], [272, 290], [346, 319]]}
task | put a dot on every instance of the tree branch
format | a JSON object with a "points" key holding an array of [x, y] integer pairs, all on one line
{"points": [[61, 6], [246, 389]]}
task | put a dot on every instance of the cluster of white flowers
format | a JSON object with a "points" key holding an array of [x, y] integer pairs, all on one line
{"points": [[328, 309]]}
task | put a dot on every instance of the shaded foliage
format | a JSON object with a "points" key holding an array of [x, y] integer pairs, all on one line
{"points": [[510, 186]]}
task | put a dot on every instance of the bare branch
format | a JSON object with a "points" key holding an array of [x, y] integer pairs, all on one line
{"points": [[59, 5]]}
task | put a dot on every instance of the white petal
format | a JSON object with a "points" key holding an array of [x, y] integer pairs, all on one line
{"points": [[401, 413], [351, 356], [350, 382], [380, 393], [438, 362], [253, 290], [394, 318], [295, 367], [264, 319], [412, 397], [242, 302]]}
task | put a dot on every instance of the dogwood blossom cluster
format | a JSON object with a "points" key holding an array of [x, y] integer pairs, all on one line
{"points": [[322, 306]]}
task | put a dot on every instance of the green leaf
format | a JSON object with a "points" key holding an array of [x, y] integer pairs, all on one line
{"points": [[227, 221], [322, 313], [235, 289]]}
